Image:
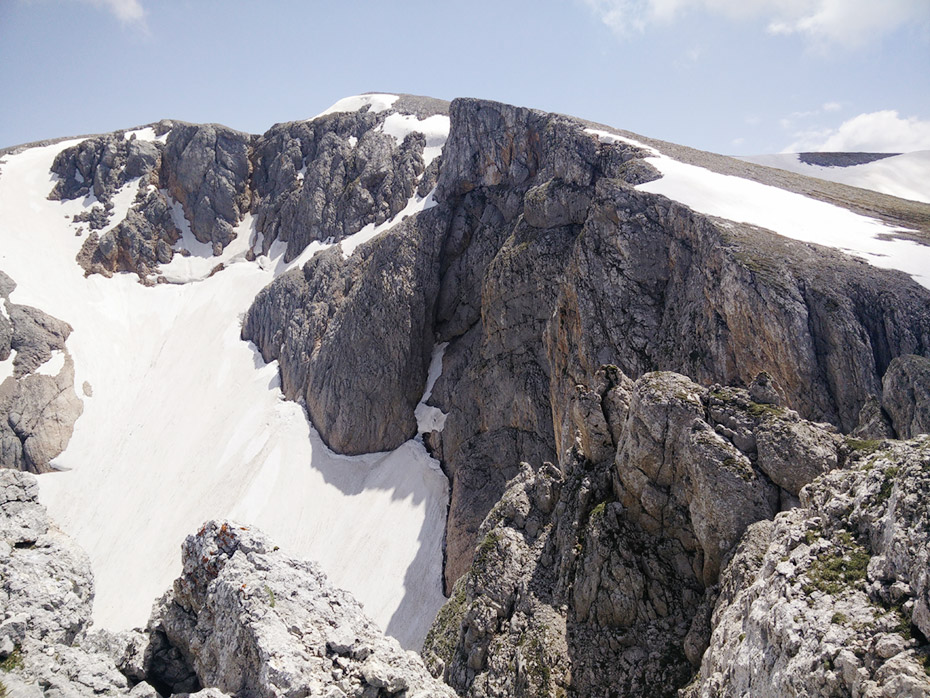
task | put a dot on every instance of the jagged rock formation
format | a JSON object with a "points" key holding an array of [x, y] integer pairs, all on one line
{"points": [[37, 411], [332, 176], [906, 395], [597, 579], [304, 181], [832, 598], [251, 621]]}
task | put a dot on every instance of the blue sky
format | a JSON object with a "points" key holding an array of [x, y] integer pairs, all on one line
{"points": [[732, 76]]}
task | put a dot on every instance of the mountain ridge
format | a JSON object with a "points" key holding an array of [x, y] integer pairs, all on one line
{"points": [[546, 266]]}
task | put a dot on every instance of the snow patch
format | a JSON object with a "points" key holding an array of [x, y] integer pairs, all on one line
{"points": [[435, 128], [414, 205], [146, 134], [607, 137], [52, 366], [352, 141], [201, 262], [431, 418], [122, 201], [376, 103], [906, 176]]}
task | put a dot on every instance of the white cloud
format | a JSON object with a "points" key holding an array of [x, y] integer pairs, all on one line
{"points": [[844, 22], [879, 132], [126, 11]]}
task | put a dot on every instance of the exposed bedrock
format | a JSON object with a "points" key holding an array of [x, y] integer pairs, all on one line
{"points": [[832, 598], [552, 265], [243, 619], [353, 337], [597, 578], [251, 621], [38, 407], [331, 176], [906, 395], [206, 168]]}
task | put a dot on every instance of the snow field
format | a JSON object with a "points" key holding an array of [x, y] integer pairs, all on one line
{"points": [[187, 423], [906, 176]]}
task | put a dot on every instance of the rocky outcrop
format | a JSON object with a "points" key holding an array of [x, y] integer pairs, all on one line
{"points": [[353, 335], [203, 168], [251, 621], [599, 577], [46, 589], [906, 395], [103, 165], [554, 265], [38, 409], [832, 598], [331, 176], [551, 265], [206, 169]]}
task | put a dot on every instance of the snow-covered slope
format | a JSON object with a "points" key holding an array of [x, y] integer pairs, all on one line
{"points": [[783, 212], [906, 175], [184, 422]]}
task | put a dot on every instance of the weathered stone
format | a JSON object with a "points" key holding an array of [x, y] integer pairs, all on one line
{"points": [[353, 336], [206, 168], [823, 602], [906, 395], [248, 619]]}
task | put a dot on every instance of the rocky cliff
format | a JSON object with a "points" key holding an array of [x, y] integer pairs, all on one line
{"points": [[553, 264]]}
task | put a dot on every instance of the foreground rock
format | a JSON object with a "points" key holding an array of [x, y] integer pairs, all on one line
{"points": [[598, 578], [46, 594], [832, 598], [250, 621]]}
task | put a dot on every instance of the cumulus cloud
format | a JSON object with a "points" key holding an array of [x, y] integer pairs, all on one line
{"points": [[126, 11], [879, 132], [843, 22]]}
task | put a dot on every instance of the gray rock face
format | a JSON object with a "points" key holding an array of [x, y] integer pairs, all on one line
{"points": [[332, 176], [602, 579], [251, 621], [37, 411], [353, 336], [140, 242], [541, 231], [831, 599], [102, 165], [206, 168], [906, 395], [46, 592]]}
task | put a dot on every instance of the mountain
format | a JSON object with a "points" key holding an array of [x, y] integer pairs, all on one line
{"points": [[558, 404]]}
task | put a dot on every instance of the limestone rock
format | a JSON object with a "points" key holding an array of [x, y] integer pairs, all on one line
{"points": [[250, 620], [353, 335], [37, 411], [906, 395], [206, 168], [100, 166], [833, 598], [46, 593], [330, 177]]}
